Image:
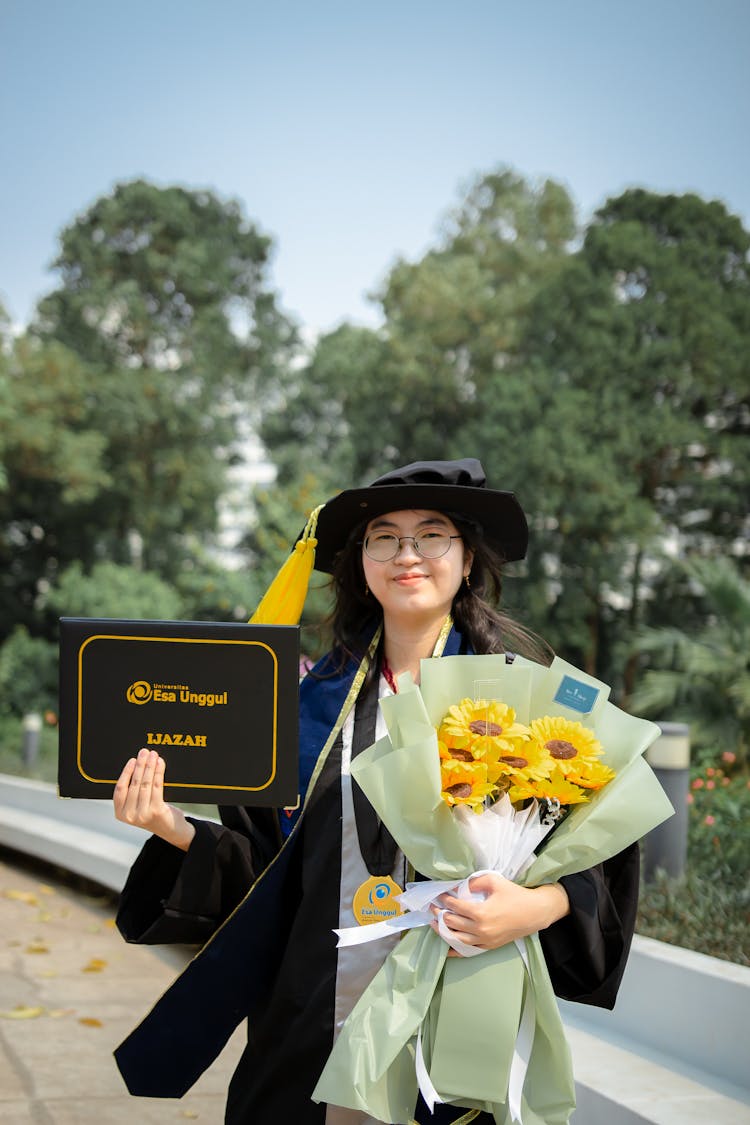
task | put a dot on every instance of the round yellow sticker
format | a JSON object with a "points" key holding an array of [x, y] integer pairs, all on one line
{"points": [[375, 900]]}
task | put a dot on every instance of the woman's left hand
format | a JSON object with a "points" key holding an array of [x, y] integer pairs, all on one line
{"points": [[507, 912]]}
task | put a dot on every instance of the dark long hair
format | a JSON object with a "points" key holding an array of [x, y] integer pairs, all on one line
{"points": [[356, 613]]}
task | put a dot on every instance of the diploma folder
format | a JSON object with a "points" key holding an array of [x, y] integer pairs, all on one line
{"points": [[218, 701]]}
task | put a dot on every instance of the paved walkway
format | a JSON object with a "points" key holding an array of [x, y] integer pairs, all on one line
{"points": [[70, 990]]}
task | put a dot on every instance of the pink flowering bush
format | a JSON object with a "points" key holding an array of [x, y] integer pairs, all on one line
{"points": [[709, 909]]}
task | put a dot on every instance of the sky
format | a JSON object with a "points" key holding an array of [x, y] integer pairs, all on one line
{"points": [[348, 131]]}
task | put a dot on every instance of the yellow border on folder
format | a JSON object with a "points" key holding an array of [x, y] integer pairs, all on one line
{"points": [[178, 640]]}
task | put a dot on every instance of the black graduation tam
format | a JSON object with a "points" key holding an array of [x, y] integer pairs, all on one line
{"points": [[454, 487]]}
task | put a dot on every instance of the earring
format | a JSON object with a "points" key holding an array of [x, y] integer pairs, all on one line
{"points": [[367, 590], [466, 580]]}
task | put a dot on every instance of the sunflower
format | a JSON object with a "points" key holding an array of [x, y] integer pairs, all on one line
{"points": [[595, 776], [465, 783], [487, 729], [572, 747], [527, 760], [555, 787]]}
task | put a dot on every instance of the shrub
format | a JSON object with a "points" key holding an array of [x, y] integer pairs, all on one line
{"points": [[28, 674], [709, 909], [112, 591]]}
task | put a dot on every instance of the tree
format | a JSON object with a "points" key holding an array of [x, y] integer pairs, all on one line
{"points": [[51, 464], [643, 341], [702, 675], [112, 591], [367, 399], [327, 421], [164, 296], [166, 278]]}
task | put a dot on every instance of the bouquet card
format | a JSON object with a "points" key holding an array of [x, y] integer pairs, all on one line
{"points": [[217, 700]]}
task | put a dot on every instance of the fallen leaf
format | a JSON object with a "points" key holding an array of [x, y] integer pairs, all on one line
{"points": [[191, 1113], [22, 1012], [45, 890], [95, 965], [44, 916], [89, 1021], [37, 946], [56, 1013], [110, 923], [22, 896]]}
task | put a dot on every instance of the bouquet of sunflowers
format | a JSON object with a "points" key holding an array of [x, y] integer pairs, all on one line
{"points": [[479, 763], [484, 752]]}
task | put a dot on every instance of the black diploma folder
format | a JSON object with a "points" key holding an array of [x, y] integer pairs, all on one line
{"points": [[218, 701]]}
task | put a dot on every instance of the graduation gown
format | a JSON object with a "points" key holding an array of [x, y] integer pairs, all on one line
{"points": [[270, 955]]}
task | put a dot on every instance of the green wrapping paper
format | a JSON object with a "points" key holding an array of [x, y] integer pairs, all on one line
{"points": [[469, 1010]]}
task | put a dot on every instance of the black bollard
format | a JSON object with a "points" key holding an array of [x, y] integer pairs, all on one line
{"points": [[669, 758]]}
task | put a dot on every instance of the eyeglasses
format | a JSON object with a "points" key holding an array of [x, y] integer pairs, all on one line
{"points": [[382, 546]]}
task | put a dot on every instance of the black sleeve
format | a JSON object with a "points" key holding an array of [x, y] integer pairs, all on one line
{"points": [[586, 952], [176, 896]]}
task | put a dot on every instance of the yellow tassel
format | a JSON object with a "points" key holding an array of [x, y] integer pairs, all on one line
{"points": [[284, 600]]}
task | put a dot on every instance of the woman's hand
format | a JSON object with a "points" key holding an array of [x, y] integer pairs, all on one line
{"points": [[507, 912], [139, 800]]}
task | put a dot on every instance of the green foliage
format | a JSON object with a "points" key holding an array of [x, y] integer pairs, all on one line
{"points": [[719, 831], [51, 462], [607, 385], [112, 591], [12, 742], [329, 414], [698, 913], [44, 389], [700, 674], [208, 592], [709, 909], [643, 411], [28, 674], [171, 337], [165, 278], [369, 400]]}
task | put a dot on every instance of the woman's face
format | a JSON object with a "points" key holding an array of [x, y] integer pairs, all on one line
{"points": [[409, 586]]}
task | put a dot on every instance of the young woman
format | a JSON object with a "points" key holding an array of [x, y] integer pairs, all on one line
{"points": [[416, 562]]}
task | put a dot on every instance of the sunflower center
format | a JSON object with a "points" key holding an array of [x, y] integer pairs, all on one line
{"points": [[486, 728], [561, 749], [462, 755], [513, 762], [463, 789]]}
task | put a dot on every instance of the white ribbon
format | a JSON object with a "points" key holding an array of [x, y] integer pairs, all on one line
{"points": [[416, 901]]}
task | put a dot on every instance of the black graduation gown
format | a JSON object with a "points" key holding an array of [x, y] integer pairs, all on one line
{"points": [[274, 961]]}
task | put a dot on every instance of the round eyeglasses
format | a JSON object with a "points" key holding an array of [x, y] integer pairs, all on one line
{"points": [[382, 546]]}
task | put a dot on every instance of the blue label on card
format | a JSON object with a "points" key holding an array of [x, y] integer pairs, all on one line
{"points": [[576, 695]]}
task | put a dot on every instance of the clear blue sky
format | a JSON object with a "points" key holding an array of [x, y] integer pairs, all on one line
{"points": [[347, 130]]}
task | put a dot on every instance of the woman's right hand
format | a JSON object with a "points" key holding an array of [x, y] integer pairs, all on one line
{"points": [[139, 800]]}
